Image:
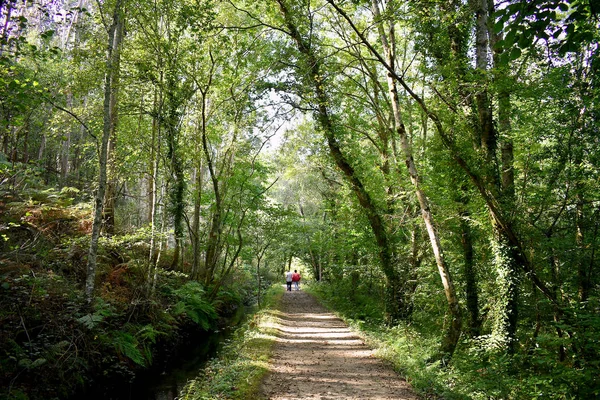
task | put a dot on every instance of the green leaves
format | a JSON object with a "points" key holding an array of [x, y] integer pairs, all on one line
{"points": [[564, 25], [194, 304], [90, 321]]}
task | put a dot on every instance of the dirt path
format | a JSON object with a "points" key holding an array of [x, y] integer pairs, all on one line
{"points": [[318, 357]]}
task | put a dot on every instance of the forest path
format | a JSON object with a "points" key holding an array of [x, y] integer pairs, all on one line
{"points": [[317, 356]]}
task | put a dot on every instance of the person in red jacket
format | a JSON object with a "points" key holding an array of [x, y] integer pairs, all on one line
{"points": [[296, 280]]}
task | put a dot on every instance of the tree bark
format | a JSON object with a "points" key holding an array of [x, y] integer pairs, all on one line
{"points": [[111, 184], [115, 34], [506, 256]]}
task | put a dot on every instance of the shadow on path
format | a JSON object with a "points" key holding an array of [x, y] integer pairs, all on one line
{"points": [[317, 356]]}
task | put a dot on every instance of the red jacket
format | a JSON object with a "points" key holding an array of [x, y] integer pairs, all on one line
{"points": [[295, 277]]}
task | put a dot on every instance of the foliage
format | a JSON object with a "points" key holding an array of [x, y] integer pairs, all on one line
{"points": [[222, 176], [564, 25], [238, 370], [192, 302], [53, 342]]}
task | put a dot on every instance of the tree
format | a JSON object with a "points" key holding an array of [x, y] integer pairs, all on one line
{"points": [[115, 36]]}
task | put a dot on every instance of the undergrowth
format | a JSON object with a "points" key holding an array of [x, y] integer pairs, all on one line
{"points": [[242, 363], [53, 343]]}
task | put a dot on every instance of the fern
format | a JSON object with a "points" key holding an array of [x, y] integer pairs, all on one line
{"points": [[192, 302], [149, 334], [90, 321], [127, 345]]}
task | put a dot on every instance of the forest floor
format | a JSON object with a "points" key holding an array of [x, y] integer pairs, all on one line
{"points": [[316, 356]]}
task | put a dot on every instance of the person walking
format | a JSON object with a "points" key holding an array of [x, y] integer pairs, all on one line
{"points": [[288, 280], [296, 280]]}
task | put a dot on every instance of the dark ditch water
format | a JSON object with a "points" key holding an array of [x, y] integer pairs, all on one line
{"points": [[184, 363]]}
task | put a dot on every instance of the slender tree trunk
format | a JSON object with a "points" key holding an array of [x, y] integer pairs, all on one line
{"points": [[163, 225], [472, 297], [65, 147], [4, 34], [453, 334], [216, 226], [26, 128], [115, 34], [176, 193], [195, 234], [111, 183], [486, 192]]}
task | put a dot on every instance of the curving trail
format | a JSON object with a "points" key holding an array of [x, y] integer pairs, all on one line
{"points": [[318, 357]]}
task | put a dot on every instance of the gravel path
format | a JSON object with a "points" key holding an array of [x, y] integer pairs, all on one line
{"points": [[318, 357]]}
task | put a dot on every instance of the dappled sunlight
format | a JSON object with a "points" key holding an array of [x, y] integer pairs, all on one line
{"points": [[318, 357]]}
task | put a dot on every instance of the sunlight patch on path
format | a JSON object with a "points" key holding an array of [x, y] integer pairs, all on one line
{"points": [[317, 356]]}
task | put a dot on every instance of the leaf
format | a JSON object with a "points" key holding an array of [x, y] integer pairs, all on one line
{"points": [[90, 320], [498, 27], [48, 34], [514, 53], [37, 363], [126, 344]]}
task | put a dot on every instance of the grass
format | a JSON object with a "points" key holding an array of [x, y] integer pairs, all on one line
{"points": [[240, 367]]}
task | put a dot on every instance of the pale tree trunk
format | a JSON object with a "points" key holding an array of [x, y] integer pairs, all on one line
{"points": [[111, 183], [454, 329], [42, 148], [213, 241], [64, 157], [26, 128], [480, 182], [74, 21], [154, 165], [151, 191], [161, 244], [195, 232], [65, 146], [199, 181], [4, 34], [115, 34]]}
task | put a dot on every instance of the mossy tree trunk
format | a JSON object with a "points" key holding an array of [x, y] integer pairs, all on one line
{"points": [[115, 35]]}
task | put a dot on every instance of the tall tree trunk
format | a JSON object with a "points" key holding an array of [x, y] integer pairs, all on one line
{"points": [[454, 329], [487, 193], [195, 234], [111, 183], [4, 34], [177, 191], [65, 147], [115, 34], [505, 253], [471, 294]]}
